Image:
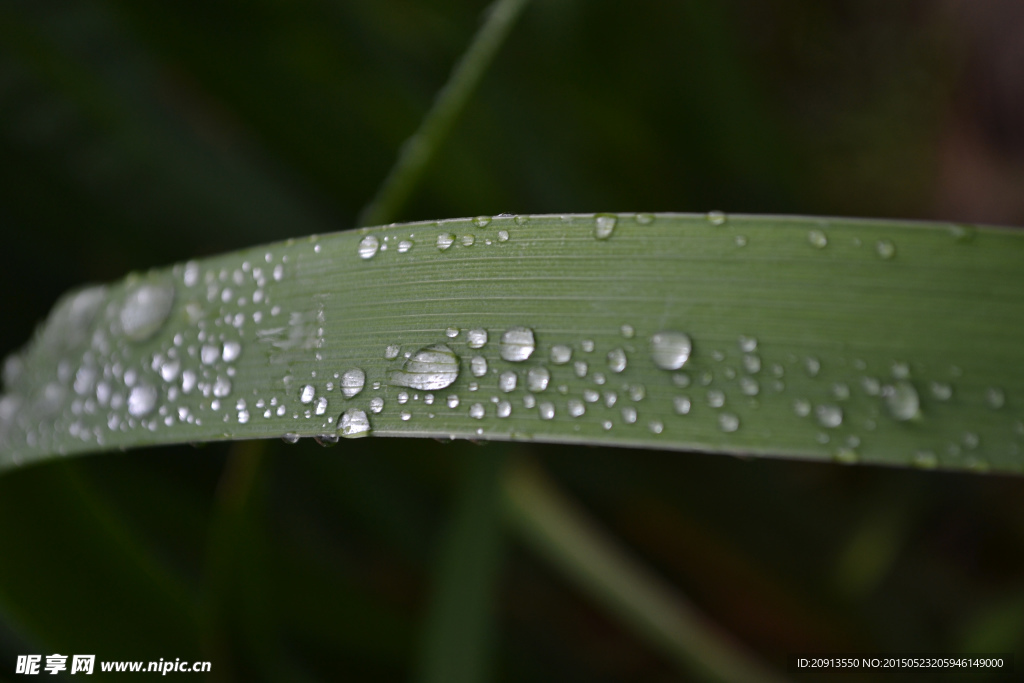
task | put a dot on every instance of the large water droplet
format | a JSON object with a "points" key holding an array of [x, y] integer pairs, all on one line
{"points": [[517, 344], [670, 350], [353, 424], [145, 310], [368, 247], [141, 400], [604, 225], [902, 400], [537, 379], [430, 368], [352, 382]]}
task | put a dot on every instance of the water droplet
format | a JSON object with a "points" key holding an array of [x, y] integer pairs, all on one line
{"points": [[846, 456], [209, 354], [352, 382], [829, 416], [616, 360], [812, 365], [752, 364], [482, 221], [681, 380], [627, 331], [656, 426], [221, 387], [368, 249], [604, 225], [962, 233], [468, 240], [141, 400], [321, 405], [902, 400], [476, 411], [307, 394], [405, 416], [670, 350], [802, 407], [232, 350], [872, 387], [749, 386], [885, 249], [925, 460], [741, 241], [145, 310], [404, 246], [637, 392], [391, 352], [629, 415], [728, 422], [353, 423], [376, 404], [644, 218], [478, 365], [403, 397], [841, 391], [476, 338], [716, 217], [576, 407], [445, 240], [817, 239], [560, 354], [547, 410], [995, 398], [580, 367], [537, 379], [430, 368], [942, 391], [716, 398], [507, 381], [504, 409], [747, 344], [453, 401], [290, 438], [682, 405], [517, 344], [451, 332], [503, 237], [971, 440], [591, 396], [188, 383]]}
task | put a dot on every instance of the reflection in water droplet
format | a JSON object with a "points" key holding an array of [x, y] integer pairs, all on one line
{"points": [[560, 354], [445, 240], [885, 249], [507, 381], [902, 400], [353, 424], [682, 405], [670, 350], [728, 422], [517, 344], [368, 247], [537, 379], [817, 239], [829, 416], [352, 382], [616, 360], [141, 400], [430, 368], [145, 310], [604, 225], [476, 338]]}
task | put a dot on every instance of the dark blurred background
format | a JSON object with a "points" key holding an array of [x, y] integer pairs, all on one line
{"points": [[136, 134]]}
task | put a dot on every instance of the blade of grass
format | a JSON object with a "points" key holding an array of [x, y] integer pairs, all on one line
{"points": [[863, 341], [416, 152], [459, 624], [559, 531]]}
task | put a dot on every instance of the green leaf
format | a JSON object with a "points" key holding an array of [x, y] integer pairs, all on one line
{"points": [[865, 341]]}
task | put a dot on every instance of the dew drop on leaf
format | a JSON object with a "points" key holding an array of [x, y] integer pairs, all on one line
{"points": [[517, 344], [670, 350]]}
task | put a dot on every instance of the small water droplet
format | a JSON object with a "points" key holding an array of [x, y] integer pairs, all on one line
{"points": [[716, 217], [376, 404], [962, 233], [482, 221], [747, 344], [547, 410], [752, 364], [141, 400], [403, 397], [902, 400], [307, 394], [682, 405], [405, 416], [741, 241], [404, 246], [616, 360], [627, 331], [802, 407], [468, 240], [829, 416], [580, 367], [517, 344], [391, 352], [560, 354], [817, 238], [504, 409], [476, 411], [681, 380], [209, 354], [872, 387], [885, 249], [715, 398], [537, 379], [431, 368], [629, 415], [503, 235], [507, 381], [656, 426], [145, 310], [637, 392], [749, 386], [321, 405], [941, 391], [451, 332], [445, 240], [368, 249], [353, 424], [290, 438], [645, 218], [971, 440], [591, 396], [453, 401], [995, 398], [925, 460], [232, 350], [478, 365], [846, 456], [604, 225], [670, 350], [728, 422], [221, 387], [812, 365], [841, 391], [476, 338], [352, 382], [576, 407]]}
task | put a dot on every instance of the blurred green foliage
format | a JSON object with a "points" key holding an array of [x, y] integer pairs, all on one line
{"points": [[137, 134]]}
